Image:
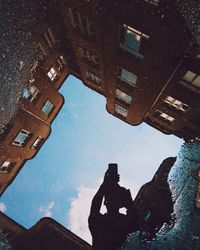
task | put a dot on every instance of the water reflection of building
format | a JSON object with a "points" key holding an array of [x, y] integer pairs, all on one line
{"points": [[141, 56], [38, 106], [154, 201], [45, 234], [145, 64]]}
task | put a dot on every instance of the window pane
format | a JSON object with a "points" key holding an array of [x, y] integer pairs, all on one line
{"points": [[47, 108], [6, 167], [128, 77], [189, 76], [26, 93], [120, 110], [164, 116], [196, 81], [21, 138], [176, 103], [37, 142], [132, 41], [121, 95], [52, 74]]}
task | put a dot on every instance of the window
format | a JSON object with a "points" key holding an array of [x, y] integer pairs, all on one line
{"points": [[176, 104], [164, 116], [132, 40], [42, 49], [154, 2], [192, 78], [128, 77], [52, 74], [5, 166], [90, 57], [61, 62], [37, 142], [122, 96], [47, 108], [31, 93], [120, 110], [147, 215], [93, 78], [81, 23], [49, 37], [21, 138]]}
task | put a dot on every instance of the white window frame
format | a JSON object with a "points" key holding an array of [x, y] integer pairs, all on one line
{"points": [[123, 96], [47, 107], [5, 166], [93, 78], [138, 37], [165, 116], [61, 62], [37, 142], [133, 76], [121, 110], [25, 134], [192, 79], [33, 93], [171, 101], [52, 73]]}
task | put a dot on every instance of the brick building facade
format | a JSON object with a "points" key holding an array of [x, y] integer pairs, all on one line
{"points": [[141, 56], [46, 234]]}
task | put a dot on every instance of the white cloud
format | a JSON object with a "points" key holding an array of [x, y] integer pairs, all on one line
{"points": [[46, 210], [79, 212], [2, 207], [80, 209]]}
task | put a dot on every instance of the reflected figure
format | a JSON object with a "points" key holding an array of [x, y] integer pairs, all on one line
{"points": [[110, 230]]}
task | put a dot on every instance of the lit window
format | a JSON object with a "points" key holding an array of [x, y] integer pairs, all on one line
{"points": [[120, 110], [128, 77], [81, 23], [37, 142], [47, 108], [132, 40], [61, 62], [31, 93], [52, 74], [176, 103], [192, 78], [154, 2], [122, 96], [21, 138], [90, 56], [5, 166], [164, 116], [50, 38], [93, 78]]}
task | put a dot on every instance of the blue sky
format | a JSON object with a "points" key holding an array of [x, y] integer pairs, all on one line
{"points": [[61, 180]]}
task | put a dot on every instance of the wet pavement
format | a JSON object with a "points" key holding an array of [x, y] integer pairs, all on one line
{"points": [[184, 233]]}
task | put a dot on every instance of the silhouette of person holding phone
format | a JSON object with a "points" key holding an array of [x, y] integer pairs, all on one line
{"points": [[110, 230]]}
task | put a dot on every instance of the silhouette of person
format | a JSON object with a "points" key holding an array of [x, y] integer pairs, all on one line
{"points": [[110, 230]]}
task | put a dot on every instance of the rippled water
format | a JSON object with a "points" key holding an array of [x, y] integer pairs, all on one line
{"points": [[184, 234]]}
